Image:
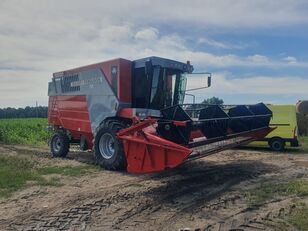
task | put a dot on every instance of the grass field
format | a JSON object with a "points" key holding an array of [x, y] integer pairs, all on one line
{"points": [[304, 143], [17, 171], [24, 131], [271, 191]]}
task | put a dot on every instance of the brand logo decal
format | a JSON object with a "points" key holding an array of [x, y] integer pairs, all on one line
{"points": [[85, 82]]}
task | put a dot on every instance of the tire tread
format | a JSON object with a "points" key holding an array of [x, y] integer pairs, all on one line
{"points": [[119, 162]]}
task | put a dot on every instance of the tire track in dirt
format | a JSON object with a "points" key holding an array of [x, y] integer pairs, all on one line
{"points": [[128, 206], [193, 194], [182, 194], [203, 195], [248, 219], [76, 199]]}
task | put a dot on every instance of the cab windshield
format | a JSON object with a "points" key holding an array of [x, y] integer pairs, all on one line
{"points": [[167, 89], [158, 89]]}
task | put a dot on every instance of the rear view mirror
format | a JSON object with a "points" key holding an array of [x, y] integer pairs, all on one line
{"points": [[209, 81], [199, 80]]}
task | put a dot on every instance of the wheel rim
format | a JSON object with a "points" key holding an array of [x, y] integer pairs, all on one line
{"points": [[106, 145], [277, 145], [57, 144]]}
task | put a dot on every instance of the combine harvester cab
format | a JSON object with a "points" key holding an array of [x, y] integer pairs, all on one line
{"points": [[131, 113]]}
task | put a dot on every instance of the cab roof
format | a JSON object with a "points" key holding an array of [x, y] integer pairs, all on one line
{"points": [[163, 62]]}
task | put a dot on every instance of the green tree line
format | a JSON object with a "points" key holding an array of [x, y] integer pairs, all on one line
{"points": [[213, 100], [41, 111], [27, 112]]}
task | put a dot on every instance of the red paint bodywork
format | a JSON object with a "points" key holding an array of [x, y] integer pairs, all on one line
{"points": [[71, 113], [124, 75], [146, 152]]}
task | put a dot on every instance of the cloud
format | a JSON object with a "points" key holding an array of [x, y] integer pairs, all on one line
{"points": [[200, 13], [278, 87], [30, 60], [147, 34], [38, 38], [22, 88], [258, 59], [290, 59], [222, 45]]}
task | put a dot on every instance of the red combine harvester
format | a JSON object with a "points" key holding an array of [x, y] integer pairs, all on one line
{"points": [[132, 114]]}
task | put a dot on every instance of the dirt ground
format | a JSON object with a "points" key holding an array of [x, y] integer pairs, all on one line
{"points": [[203, 195]]}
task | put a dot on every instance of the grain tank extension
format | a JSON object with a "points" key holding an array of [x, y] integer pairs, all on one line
{"points": [[131, 113]]}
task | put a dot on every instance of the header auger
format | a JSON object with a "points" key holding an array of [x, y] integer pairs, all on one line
{"points": [[131, 113]]}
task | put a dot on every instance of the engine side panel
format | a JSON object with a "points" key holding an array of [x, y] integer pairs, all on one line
{"points": [[115, 71], [80, 99], [70, 112]]}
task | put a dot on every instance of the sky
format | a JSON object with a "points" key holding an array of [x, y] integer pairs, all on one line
{"points": [[257, 50]]}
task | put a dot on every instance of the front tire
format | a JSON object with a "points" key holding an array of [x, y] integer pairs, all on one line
{"points": [[59, 145], [277, 144], [109, 151]]}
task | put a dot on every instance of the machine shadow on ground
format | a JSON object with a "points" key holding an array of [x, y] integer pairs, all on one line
{"points": [[288, 150], [82, 156], [196, 183]]}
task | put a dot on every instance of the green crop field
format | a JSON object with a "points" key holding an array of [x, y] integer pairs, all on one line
{"points": [[33, 132], [24, 131]]}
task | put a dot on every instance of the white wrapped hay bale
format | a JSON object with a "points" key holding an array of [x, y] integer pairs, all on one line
{"points": [[302, 117], [302, 107]]}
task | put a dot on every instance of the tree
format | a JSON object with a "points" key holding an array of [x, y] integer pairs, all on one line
{"points": [[213, 100], [27, 112]]}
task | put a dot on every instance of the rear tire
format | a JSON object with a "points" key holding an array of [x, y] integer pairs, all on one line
{"points": [[59, 145], [277, 144], [109, 151]]}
